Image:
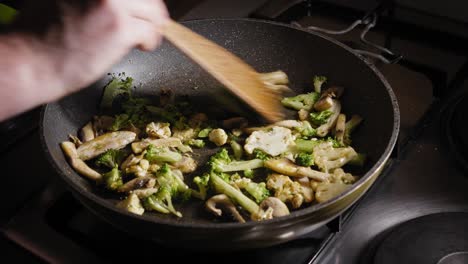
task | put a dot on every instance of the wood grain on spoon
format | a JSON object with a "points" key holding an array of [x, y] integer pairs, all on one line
{"points": [[240, 78]]}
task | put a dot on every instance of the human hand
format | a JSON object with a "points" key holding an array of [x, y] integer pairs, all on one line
{"points": [[83, 40]]}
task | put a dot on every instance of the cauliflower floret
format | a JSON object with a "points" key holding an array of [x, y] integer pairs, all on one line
{"points": [[132, 204], [273, 141], [340, 176], [287, 190], [140, 169], [185, 134], [338, 182], [328, 158], [218, 136], [158, 130], [186, 164]]}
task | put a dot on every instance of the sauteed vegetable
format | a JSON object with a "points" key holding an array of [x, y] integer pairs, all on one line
{"points": [[147, 153]]}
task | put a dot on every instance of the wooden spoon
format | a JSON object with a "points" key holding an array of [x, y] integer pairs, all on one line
{"points": [[240, 78]]}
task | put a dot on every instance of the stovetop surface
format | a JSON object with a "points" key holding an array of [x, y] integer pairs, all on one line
{"points": [[422, 179]]}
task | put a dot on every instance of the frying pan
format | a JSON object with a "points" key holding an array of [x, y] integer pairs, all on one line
{"points": [[267, 46]]}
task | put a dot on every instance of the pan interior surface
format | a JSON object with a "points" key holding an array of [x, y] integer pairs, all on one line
{"points": [[267, 47]]}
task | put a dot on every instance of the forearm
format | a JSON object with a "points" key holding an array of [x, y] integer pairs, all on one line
{"points": [[27, 75]]}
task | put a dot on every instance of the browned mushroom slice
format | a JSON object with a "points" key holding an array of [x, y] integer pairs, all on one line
{"points": [[326, 99], [99, 145], [287, 167], [279, 208], [235, 122], [143, 193], [102, 124], [87, 132], [80, 166], [325, 128], [219, 203], [134, 184]]}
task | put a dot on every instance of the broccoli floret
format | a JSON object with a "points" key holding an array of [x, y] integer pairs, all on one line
{"points": [[199, 143], [204, 132], [320, 118], [318, 82], [154, 154], [258, 191], [219, 165], [304, 159], [116, 86], [301, 101], [349, 127], [170, 187], [260, 154], [359, 160], [202, 183], [249, 173], [112, 179], [111, 158], [306, 129], [234, 194], [120, 122], [161, 201], [164, 114]]}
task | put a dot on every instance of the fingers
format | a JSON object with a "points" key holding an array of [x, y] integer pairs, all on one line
{"points": [[146, 19]]}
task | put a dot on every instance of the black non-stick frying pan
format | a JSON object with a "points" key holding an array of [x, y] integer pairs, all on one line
{"points": [[267, 47]]}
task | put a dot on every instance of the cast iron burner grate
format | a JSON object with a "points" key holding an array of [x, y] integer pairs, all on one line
{"points": [[455, 127], [440, 238]]}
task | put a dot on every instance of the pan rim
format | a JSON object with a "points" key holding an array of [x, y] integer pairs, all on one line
{"points": [[379, 164]]}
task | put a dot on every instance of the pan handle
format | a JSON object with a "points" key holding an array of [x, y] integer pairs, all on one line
{"points": [[369, 21]]}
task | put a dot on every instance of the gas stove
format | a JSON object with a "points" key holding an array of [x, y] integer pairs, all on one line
{"points": [[415, 212]]}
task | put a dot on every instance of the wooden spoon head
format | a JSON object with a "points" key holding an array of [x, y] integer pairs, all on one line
{"points": [[236, 75]]}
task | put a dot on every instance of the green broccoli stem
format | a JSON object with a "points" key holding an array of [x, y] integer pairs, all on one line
{"points": [[241, 165], [304, 145], [237, 149], [152, 203], [236, 195], [154, 154]]}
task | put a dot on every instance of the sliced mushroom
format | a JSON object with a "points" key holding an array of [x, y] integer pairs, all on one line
{"points": [[102, 124], [171, 142], [326, 99], [219, 203], [143, 193], [287, 167], [340, 128], [134, 184], [87, 132], [99, 145], [278, 208], [75, 140], [197, 119], [325, 128], [235, 122], [80, 166]]}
